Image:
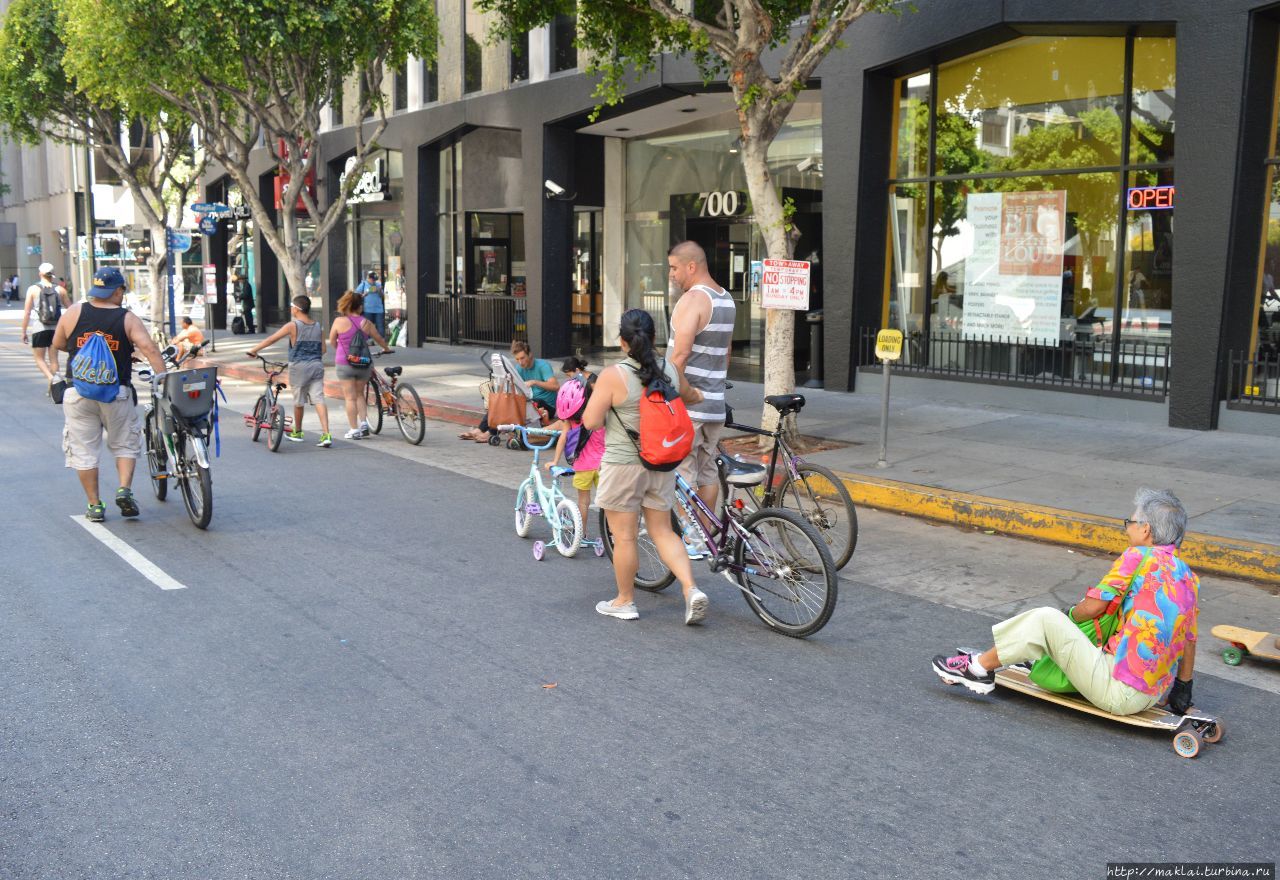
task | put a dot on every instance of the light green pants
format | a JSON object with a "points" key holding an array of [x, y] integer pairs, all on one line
{"points": [[1040, 631]]}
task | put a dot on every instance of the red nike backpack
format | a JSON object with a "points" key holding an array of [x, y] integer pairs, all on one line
{"points": [[665, 437]]}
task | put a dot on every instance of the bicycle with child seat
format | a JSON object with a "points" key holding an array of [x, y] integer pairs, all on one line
{"points": [[776, 557], [810, 490], [268, 414], [386, 393], [177, 424], [537, 498]]}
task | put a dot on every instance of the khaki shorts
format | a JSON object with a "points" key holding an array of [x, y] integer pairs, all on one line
{"points": [[585, 481], [699, 469], [85, 420], [628, 487]]}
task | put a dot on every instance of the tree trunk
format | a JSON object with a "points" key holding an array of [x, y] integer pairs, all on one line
{"points": [[779, 333], [156, 265]]}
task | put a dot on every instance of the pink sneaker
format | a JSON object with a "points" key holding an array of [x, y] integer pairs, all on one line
{"points": [[955, 670]]}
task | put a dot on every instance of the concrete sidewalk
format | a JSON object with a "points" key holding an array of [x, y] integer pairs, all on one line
{"points": [[1054, 478]]}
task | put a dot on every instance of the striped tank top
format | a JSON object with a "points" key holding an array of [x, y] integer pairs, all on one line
{"points": [[708, 362]]}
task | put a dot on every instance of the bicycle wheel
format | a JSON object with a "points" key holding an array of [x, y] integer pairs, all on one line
{"points": [[821, 499], [409, 414], [524, 500], [197, 483], [373, 403], [276, 433], [569, 535], [652, 575], [259, 416], [794, 587], [157, 457]]}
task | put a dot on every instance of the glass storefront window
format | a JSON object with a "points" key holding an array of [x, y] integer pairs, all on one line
{"points": [[1024, 272], [1038, 102]]}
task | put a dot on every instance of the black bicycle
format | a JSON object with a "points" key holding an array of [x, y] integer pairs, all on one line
{"points": [[177, 424], [811, 490]]}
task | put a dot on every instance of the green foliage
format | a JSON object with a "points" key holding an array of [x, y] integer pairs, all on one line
{"points": [[36, 95]]}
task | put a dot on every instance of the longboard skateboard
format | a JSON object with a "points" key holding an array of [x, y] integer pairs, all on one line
{"points": [[1246, 641], [1189, 731]]}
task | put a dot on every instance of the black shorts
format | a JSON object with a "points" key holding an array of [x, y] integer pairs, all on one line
{"points": [[42, 339]]}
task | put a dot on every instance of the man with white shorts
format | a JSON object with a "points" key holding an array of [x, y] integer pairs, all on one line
{"points": [[86, 420], [701, 340]]}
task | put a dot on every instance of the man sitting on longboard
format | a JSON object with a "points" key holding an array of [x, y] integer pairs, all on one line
{"points": [[1156, 633]]}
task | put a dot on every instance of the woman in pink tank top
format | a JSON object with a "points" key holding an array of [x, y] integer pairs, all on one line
{"points": [[353, 378]]}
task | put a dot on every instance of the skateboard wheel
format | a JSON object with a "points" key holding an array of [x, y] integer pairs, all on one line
{"points": [[539, 550], [1232, 656], [495, 440], [1187, 743], [1215, 732]]}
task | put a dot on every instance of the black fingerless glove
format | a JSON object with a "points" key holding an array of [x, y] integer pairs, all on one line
{"points": [[1180, 696]]}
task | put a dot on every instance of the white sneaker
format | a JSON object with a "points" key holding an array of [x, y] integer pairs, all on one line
{"points": [[365, 431], [353, 434], [622, 612], [695, 607]]}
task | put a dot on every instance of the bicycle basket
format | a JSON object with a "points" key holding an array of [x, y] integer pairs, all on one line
{"points": [[188, 394]]}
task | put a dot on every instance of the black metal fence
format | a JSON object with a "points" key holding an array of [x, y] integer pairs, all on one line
{"points": [[1134, 368], [475, 318], [1254, 382]]}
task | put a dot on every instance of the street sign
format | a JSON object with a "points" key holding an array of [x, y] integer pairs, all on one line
{"points": [[209, 224], [215, 208], [179, 242], [889, 345], [210, 283], [241, 212], [785, 285], [132, 230]]}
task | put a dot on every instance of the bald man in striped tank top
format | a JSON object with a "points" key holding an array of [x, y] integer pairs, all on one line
{"points": [[701, 340]]}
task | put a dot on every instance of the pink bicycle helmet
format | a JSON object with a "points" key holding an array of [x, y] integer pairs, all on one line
{"points": [[571, 399]]}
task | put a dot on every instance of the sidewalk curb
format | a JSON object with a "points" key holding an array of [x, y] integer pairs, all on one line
{"points": [[1206, 554]]}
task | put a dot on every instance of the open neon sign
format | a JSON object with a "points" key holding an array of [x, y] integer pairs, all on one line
{"points": [[1151, 198]]}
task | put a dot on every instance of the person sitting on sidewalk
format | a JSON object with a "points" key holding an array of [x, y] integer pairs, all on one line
{"points": [[306, 367], [1155, 638], [538, 375], [189, 337]]}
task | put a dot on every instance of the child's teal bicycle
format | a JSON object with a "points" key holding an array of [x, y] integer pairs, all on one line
{"points": [[536, 498]]}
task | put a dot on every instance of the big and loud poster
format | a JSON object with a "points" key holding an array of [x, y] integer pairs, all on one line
{"points": [[1013, 275]]}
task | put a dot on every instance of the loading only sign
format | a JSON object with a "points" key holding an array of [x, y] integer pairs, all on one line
{"points": [[784, 284]]}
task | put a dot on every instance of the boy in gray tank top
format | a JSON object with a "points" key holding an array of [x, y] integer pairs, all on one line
{"points": [[701, 341], [306, 367]]}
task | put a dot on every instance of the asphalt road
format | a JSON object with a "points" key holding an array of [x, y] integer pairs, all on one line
{"points": [[353, 685]]}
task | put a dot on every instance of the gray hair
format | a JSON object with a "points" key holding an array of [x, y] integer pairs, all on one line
{"points": [[1162, 510]]}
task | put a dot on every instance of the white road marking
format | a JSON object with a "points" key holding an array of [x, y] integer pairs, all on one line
{"points": [[144, 566]]}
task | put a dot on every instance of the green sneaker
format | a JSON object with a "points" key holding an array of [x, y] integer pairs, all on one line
{"points": [[325, 441], [96, 512], [126, 502], [295, 436]]}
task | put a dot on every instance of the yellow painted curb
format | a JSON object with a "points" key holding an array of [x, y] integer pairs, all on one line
{"points": [[1206, 554]]}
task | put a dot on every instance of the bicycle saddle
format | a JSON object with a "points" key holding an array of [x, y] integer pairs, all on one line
{"points": [[786, 403], [741, 473], [394, 371]]}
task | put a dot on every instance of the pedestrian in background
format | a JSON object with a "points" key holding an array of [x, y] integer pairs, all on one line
{"points": [[244, 295], [47, 299], [349, 322], [375, 308]]}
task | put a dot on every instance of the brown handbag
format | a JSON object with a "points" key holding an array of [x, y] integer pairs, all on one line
{"points": [[506, 406]]}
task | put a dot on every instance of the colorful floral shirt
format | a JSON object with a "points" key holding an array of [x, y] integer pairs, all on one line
{"points": [[1157, 615]]}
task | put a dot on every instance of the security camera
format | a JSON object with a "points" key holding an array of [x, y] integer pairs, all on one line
{"points": [[810, 163], [553, 189]]}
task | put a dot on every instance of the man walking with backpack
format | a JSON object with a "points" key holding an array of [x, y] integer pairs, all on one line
{"points": [[100, 338], [701, 340], [47, 299]]}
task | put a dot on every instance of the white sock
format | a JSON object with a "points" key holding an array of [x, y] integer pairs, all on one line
{"points": [[975, 667]]}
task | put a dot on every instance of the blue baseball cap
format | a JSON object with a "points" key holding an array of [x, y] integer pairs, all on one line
{"points": [[106, 281]]}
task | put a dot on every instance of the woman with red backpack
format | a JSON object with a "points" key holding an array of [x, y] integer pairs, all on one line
{"points": [[632, 481]]}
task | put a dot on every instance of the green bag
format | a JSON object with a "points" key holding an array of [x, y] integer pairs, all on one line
{"points": [[1048, 675]]}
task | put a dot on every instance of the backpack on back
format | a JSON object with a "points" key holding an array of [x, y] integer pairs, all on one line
{"points": [[575, 442], [93, 370], [50, 307], [665, 437], [358, 354]]}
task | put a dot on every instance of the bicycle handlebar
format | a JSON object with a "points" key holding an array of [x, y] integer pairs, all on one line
{"points": [[527, 432], [279, 367]]}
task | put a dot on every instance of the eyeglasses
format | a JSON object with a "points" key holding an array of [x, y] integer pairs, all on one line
{"points": [[1134, 522]]}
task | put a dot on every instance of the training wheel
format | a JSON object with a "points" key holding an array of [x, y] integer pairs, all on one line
{"points": [[1233, 656], [599, 548], [539, 550], [1187, 743], [1215, 732]]}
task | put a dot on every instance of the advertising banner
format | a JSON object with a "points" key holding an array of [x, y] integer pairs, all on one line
{"points": [[1013, 275]]}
